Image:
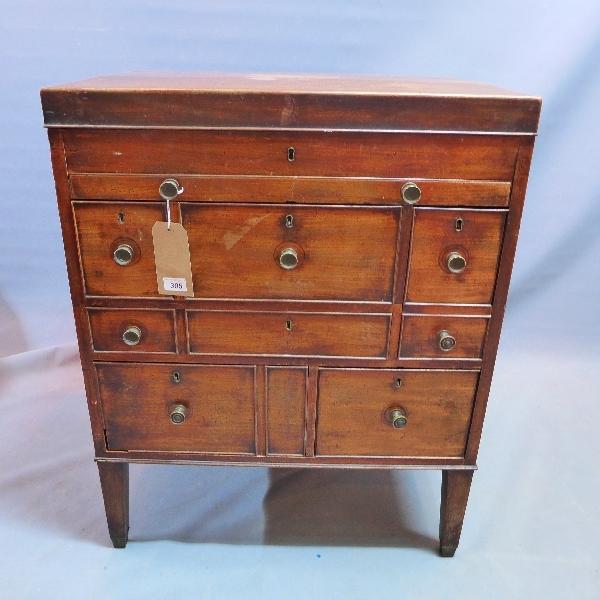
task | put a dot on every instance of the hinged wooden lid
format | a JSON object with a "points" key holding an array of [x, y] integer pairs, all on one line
{"points": [[289, 102]]}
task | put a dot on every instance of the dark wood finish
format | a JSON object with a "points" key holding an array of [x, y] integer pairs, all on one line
{"points": [[367, 301], [301, 101], [157, 328], [319, 190], [344, 253], [421, 336], [114, 480], [354, 407], [286, 408], [455, 493], [286, 333], [435, 236], [76, 287], [333, 154], [509, 247], [137, 400]]}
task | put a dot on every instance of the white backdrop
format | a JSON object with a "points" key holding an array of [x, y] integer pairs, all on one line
{"points": [[533, 521]]}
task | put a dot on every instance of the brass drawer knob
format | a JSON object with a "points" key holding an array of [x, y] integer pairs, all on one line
{"points": [[288, 259], [446, 341], [398, 418], [178, 414], [456, 262], [411, 193], [123, 255], [169, 189], [132, 336]]}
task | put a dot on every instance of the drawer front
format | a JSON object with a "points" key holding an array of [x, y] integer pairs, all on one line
{"points": [[332, 253], [357, 408], [313, 190], [454, 255], [104, 228], [297, 334], [125, 330], [286, 409], [442, 336], [335, 154], [215, 403]]}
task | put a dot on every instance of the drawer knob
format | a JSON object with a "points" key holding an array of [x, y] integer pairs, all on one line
{"points": [[169, 189], [132, 336], [446, 341], [288, 259], [398, 418], [123, 255], [178, 414], [456, 262], [411, 193]]}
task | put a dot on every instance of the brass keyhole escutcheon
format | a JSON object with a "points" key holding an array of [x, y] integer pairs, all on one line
{"points": [[289, 221], [459, 224], [291, 154], [176, 377], [289, 325]]}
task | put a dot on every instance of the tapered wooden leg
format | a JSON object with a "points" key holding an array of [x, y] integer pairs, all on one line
{"points": [[114, 479], [455, 493]]}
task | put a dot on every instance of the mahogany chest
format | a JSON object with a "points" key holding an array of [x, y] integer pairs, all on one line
{"points": [[350, 248]]}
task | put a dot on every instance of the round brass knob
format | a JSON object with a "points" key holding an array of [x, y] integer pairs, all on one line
{"points": [[178, 414], [456, 262], [446, 341], [411, 193], [398, 418], [169, 189], [123, 255], [132, 336], [288, 259]]}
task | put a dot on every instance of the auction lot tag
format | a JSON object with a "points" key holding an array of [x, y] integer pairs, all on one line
{"points": [[172, 258]]}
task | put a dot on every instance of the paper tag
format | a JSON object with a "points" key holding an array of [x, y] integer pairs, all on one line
{"points": [[172, 258]]}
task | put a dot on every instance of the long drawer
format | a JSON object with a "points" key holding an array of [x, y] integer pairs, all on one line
{"points": [[246, 251], [356, 154], [288, 333]]}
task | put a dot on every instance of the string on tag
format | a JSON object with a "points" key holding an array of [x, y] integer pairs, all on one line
{"points": [[169, 214]]}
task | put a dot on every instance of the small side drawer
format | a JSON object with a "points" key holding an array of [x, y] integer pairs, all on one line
{"points": [[442, 336], [178, 408], [116, 249], [125, 330], [454, 255], [288, 334], [394, 412]]}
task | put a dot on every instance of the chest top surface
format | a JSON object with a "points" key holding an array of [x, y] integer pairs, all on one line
{"points": [[289, 101]]}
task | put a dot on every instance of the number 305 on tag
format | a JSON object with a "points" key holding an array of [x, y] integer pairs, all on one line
{"points": [[174, 284]]}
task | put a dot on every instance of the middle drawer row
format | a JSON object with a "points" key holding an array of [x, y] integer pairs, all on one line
{"points": [[306, 334]]}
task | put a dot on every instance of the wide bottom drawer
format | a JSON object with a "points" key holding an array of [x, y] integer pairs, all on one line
{"points": [[394, 412], [178, 408]]}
